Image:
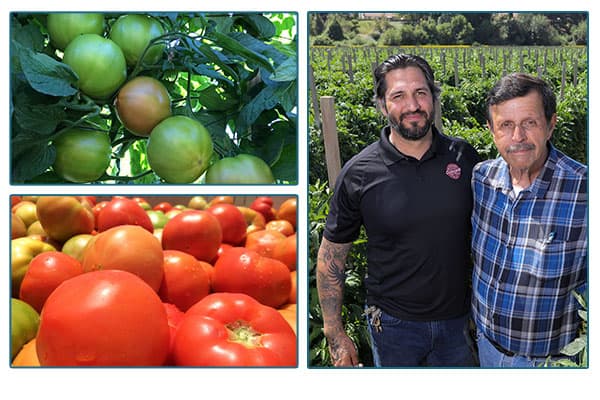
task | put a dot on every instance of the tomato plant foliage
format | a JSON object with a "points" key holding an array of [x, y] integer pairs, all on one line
{"points": [[235, 73]]}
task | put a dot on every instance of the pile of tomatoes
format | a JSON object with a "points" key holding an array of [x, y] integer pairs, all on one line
{"points": [[122, 282]]}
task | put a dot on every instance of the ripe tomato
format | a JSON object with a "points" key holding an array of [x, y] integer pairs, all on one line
{"points": [[179, 149], [64, 27], [280, 225], [141, 201], [27, 356], [264, 241], [82, 155], [294, 291], [174, 318], [196, 232], [288, 211], [141, 104], [233, 329], [185, 281], [233, 223], [46, 271], [123, 211], [264, 205], [64, 216], [99, 64], [103, 318], [241, 270], [286, 252], [126, 247], [289, 313], [241, 169], [133, 34], [163, 206]]}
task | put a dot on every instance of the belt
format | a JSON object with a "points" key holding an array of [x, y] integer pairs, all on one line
{"points": [[501, 349]]}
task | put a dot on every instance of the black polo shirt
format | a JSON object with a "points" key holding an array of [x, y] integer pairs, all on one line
{"points": [[417, 219]]}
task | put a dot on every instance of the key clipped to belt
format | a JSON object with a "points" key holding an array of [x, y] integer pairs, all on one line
{"points": [[374, 315]]}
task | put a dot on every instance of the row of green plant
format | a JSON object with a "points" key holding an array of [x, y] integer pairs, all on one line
{"points": [[463, 114]]}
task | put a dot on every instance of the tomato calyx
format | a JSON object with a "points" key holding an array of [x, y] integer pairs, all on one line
{"points": [[240, 332]]}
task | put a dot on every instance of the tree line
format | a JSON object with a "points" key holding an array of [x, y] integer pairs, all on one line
{"points": [[495, 29]]}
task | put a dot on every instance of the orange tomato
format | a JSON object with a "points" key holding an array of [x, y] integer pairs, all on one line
{"points": [[264, 242], [281, 225], [27, 356], [288, 312], [287, 210], [286, 252]]}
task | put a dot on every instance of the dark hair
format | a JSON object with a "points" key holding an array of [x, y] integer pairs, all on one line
{"points": [[402, 61], [519, 85]]}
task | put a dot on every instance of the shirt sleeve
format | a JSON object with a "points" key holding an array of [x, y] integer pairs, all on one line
{"points": [[344, 219]]}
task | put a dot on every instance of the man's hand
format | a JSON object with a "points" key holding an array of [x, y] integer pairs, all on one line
{"points": [[342, 350]]}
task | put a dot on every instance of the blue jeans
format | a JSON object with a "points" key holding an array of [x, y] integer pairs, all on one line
{"points": [[401, 343], [490, 357]]}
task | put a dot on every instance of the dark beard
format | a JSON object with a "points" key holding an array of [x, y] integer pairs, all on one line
{"points": [[412, 133]]}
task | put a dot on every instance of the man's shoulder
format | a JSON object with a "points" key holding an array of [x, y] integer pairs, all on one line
{"points": [[570, 166], [460, 145]]}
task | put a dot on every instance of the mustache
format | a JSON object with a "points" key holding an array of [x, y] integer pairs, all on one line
{"points": [[520, 147], [422, 113]]}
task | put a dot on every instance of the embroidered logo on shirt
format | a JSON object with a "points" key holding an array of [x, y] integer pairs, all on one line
{"points": [[453, 170]]}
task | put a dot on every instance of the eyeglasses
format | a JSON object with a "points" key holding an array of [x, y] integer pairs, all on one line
{"points": [[507, 128]]}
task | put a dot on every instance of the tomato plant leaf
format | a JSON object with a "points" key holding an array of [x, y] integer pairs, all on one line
{"points": [[265, 100], [259, 26], [232, 45], [286, 71], [285, 168], [45, 74], [31, 161]]}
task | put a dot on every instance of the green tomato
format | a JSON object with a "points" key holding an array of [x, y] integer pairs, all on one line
{"points": [[24, 323], [241, 169], [179, 149], [82, 155], [133, 34], [64, 27], [158, 218], [98, 62]]}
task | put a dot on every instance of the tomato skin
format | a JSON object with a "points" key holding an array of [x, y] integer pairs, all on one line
{"points": [[103, 318], [133, 34], [185, 281], [196, 232], [99, 63], [27, 356], [233, 223], [64, 27], [214, 332], [82, 155], [46, 271], [288, 211], [22, 251], [286, 252], [64, 216], [17, 227], [179, 149], [123, 211], [264, 205], [264, 241], [241, 270], [75, 245], [241, 169], [26, 210], [280, 225], [163, 206], [141, 104], [126, 247]]}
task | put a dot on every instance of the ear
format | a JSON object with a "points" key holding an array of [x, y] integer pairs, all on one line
{"points": [[551, 126]]}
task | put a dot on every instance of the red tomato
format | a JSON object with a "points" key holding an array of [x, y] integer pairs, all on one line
{"points": [[241, 270], [264, 241], [164, 206], [286, 252], [103, 318], [233, 223], [196, 232], [142, 202], [264, 205], [185, 281], [126, 247], [233, 329], [123, 211], [46, 271], [174, 318]]}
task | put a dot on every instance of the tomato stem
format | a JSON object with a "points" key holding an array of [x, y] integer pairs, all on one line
{"points": [[240, 332]]}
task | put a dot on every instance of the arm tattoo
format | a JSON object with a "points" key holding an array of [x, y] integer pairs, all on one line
{"points": [[330, 282]]}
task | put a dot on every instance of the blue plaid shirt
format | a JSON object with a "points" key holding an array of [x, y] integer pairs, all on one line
{"points": [[530, 253]]}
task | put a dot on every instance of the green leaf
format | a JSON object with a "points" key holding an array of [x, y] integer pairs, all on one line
{"points": [[40, 118], [45, 74], [576, 346], [286, 167], [32, 161], [259, 26], [267, 50], [266, 99], [231, 44], [286, 71]]}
